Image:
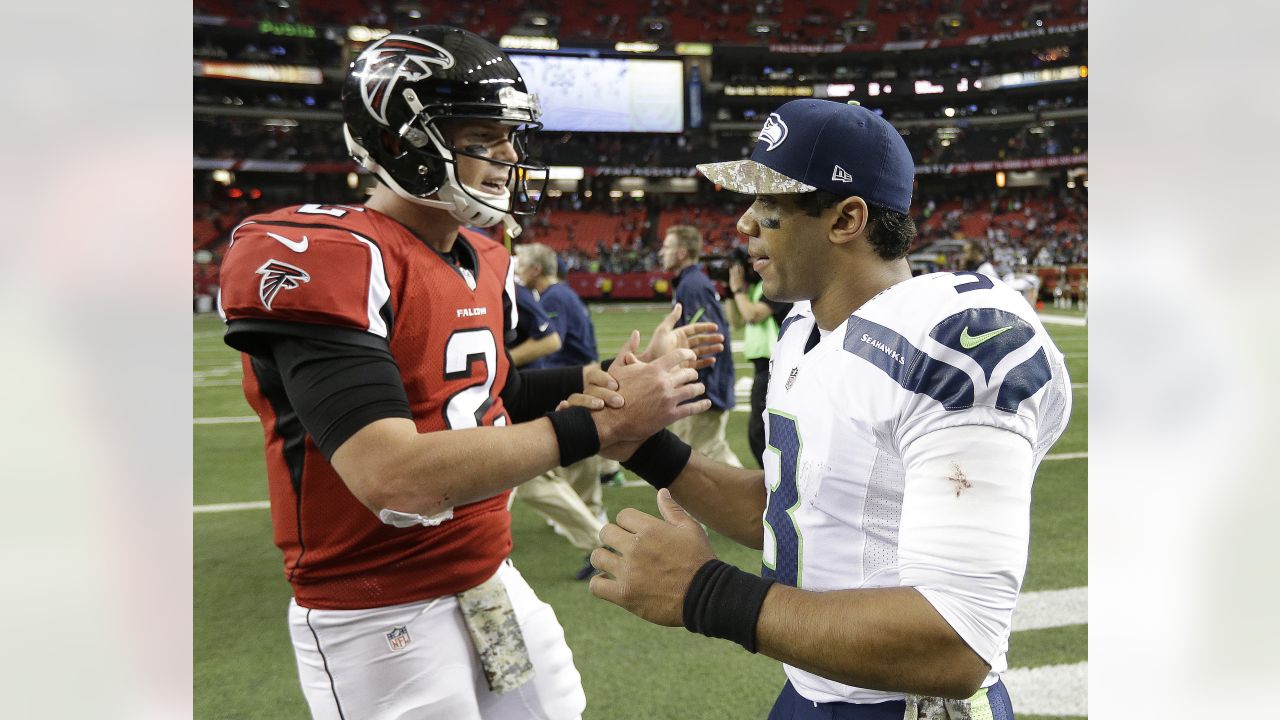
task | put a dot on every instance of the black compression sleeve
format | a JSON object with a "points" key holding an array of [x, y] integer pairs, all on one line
{"points": [[530, 394], [337, 388]]}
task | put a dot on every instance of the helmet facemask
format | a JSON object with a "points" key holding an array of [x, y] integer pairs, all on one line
{"points": [[427, 161]]}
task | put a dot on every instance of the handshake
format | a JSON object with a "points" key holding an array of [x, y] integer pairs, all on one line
{"points": [[644, 392]]}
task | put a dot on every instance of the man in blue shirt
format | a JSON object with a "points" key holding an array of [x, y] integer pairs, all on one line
{"points": [[681, 249], [537, 269], [549, 494], [534, 336]]}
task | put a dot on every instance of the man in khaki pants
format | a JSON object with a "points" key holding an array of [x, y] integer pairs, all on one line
{"points": [[696, 294], [549, 494]]}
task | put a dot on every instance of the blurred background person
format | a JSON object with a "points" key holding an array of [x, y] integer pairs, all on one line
{"points": [[681, 249], [549, 494], [1024, 281], [977, 260], [759, 319], [537, 268]]}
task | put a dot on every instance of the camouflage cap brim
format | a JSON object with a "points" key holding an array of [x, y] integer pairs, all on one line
{"points": [[752, 178]]}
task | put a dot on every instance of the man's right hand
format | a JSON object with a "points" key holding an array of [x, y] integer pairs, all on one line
{"points": [[655, 394]]}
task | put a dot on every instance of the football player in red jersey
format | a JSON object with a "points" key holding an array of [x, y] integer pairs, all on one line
{"points": [[368, 330]]}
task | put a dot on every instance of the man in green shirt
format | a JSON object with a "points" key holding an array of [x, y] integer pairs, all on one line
{"points": [[759, 318]]}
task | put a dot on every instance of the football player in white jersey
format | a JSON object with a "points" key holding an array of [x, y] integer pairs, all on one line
{"points": [[905, 421]]}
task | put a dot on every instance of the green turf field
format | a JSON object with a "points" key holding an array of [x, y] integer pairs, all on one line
{"points": [[244, 667]]}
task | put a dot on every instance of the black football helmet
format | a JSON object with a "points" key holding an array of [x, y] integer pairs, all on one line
{"points": [[399, 90]]}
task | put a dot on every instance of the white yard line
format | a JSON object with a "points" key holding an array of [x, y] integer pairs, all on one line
{"points": [[232, 507], [229, 382], [1062, 319], [1049, 690], [216, 371], [1051, 608]]}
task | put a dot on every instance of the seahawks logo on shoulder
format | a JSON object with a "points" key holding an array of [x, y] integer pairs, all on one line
{"points": [[774, 131], [391, 59], [277, 276]]}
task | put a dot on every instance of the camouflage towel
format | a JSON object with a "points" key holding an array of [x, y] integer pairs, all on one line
{"points": [[977, 707], [491, 621]]}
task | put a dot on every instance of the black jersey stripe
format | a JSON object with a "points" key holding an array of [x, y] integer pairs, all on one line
{"points": [[289, 428]]}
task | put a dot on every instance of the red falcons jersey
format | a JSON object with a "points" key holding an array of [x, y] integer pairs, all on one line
{"points": [[325, 271]]}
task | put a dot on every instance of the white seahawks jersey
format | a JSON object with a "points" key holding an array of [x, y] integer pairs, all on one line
{"points": [[937, 351]]}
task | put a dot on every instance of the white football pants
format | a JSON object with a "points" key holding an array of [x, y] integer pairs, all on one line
{"points": [[350, 671]]}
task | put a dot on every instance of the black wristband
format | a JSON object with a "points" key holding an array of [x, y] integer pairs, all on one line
{"points": [[605, 363], [576, 434], [660, 459], [724, 602]]}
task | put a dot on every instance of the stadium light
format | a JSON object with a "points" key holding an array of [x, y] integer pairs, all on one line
{"points": [[360, 33], [949, 112], [353, 180], [615, 193], [565, 172], [1000, 179], [223, 177], [527, 42]]}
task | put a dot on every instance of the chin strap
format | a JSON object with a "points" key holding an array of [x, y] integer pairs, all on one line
{"points": [[462, 203], [513, 227]]}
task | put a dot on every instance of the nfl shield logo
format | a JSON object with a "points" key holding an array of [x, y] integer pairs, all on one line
{"points": [[398, 638]]}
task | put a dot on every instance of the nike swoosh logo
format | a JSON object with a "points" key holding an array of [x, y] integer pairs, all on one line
{"points": [[969, 342], [543, 326], [294, 245]]}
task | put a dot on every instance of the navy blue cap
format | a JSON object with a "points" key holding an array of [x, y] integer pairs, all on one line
{"points": [[809, 145]]}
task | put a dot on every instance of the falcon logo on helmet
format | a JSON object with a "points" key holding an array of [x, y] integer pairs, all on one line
{"points": [[391, 59], [408, 97], [277, 276]]}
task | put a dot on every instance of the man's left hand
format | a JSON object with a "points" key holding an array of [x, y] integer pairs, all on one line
{"points": [[600, 386], [703, 338], [652, 561]]}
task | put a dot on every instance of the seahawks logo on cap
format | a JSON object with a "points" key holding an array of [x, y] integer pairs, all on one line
{"points": [[774, 131]]}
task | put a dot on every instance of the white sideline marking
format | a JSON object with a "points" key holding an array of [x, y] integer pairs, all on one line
{"points": [[216, 371], [223, 420], [230, 507], [1063, 319], [1051, 608], [1049, 690], [229, 382]]}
